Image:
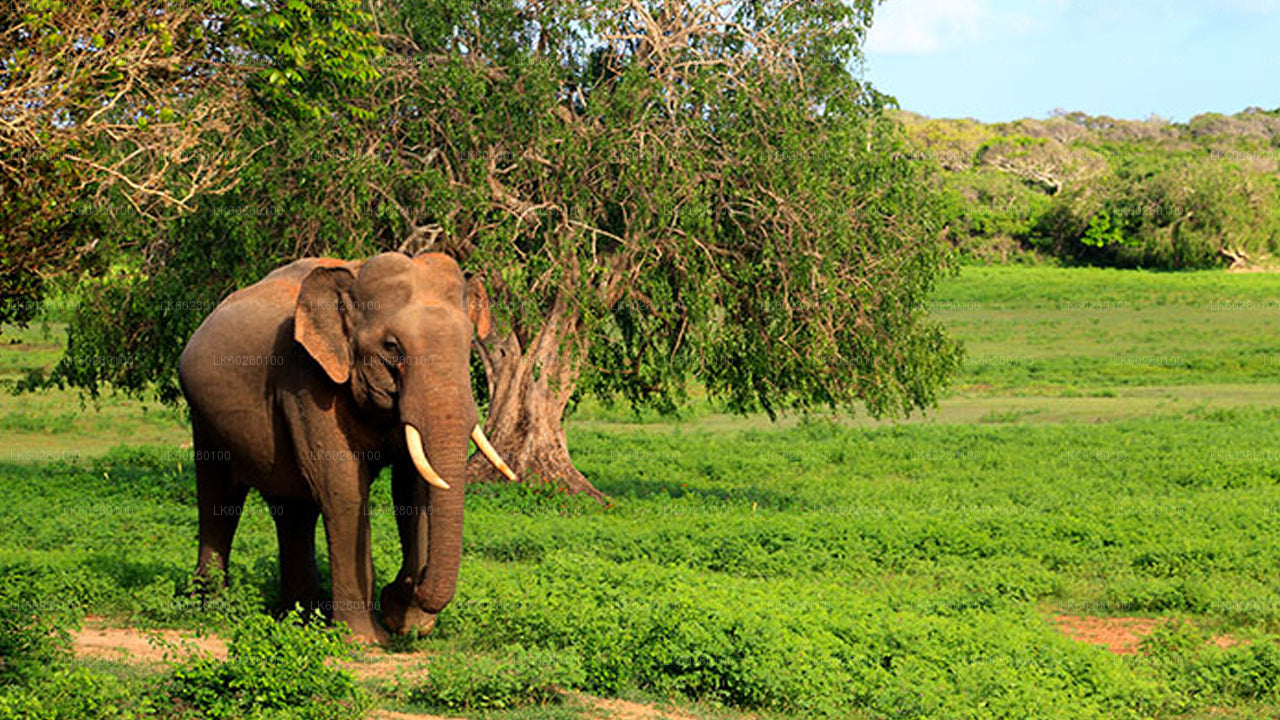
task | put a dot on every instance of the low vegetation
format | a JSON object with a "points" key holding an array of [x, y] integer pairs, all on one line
{"points": [[819, 567], [513, 677], [272, 669]]}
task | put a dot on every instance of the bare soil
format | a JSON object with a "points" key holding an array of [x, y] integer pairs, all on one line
{"points": [[96, 640], [1120, 635]]}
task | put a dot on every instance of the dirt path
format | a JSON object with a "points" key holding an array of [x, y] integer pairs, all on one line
{"points": [[95, 640], [160, 647]]}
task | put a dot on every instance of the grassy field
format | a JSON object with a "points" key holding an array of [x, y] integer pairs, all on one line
{"points": [[1111, 449]]}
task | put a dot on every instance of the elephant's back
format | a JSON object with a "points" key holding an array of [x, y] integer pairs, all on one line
{"points": [[235, 358], [247, 323], [251, 318], [298, 269]]}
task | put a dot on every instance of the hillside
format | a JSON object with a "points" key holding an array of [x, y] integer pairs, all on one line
{"points": [[1097, 190]]}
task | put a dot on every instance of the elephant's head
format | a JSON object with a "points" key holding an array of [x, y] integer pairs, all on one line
{"points": [[398, 332]]}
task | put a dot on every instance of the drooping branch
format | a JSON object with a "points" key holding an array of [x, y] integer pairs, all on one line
{"points": [[105, 100]]}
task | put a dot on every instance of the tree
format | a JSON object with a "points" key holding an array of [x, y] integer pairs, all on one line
{"points": [[1041, 161], [136, 108], [653, 194], [103, 103]]}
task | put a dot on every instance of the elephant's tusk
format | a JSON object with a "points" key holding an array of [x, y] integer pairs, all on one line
{"points": [[482, 443], [413, 439]]}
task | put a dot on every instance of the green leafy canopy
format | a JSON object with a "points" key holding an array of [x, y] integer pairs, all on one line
{"points": [[674, 191]]}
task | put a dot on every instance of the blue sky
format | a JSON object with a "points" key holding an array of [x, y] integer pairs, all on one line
{"points": [[998, 60]]}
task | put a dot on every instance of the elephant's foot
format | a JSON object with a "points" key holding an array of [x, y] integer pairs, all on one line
{"points": [[364, 627], [400, 614], [370, 634], [208, 586]]}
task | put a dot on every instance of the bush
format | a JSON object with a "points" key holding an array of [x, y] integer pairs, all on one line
{"points": [[37, 679], [34, 635], [1207, 675], [274, 669], [74, 693], [514, 678], [1113, 193], [740, 643]]}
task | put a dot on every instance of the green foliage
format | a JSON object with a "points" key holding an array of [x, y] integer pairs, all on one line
{"points": [[1207, 674], [34, 628], [134, 125], [274, 669], [72, 692], [514, 677], [318, 52], [113, 144], [1106, 192], [816, 569], [519, 139], [735, 642], [38, 678], [997, 204], [1101, 232]]}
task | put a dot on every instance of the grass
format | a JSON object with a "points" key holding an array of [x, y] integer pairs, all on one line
{"points": [[63, 424], [1054, 332], [820, 566]]}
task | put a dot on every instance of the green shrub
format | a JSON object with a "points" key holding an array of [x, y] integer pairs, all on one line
{"points": [[1206, 674], [273, 669], [37, 678], [75, 693], [513, 678], [793, 646], [34, 630], [1101, 192]]}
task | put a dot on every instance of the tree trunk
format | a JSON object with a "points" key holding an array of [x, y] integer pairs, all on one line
{"points": [[529, 388]]}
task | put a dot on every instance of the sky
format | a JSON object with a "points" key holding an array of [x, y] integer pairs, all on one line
{"points": [[999, 60]]}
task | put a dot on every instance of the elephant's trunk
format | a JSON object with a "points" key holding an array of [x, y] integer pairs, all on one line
{"points": [[444, 415], [439, 578]]}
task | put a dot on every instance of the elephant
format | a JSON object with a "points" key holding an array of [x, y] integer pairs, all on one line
{"points": [[305, 386]]}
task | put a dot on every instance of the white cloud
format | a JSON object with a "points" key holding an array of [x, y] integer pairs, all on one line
{"points": [[924, 27]]}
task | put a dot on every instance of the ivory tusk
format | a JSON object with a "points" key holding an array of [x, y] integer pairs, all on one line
{"points": [[413, 439], [482, 443]]}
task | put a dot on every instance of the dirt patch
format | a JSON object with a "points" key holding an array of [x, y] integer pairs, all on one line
{"points": [[626, 710], [95, 640], [156, 647], [596, 708], [387, 668], [393, 715], [1120, 635], [1226, 641]]}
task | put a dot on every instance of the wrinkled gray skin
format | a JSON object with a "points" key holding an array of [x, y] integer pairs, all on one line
{"points": [[300, 386]]}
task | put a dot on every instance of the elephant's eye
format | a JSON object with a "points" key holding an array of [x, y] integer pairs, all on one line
{"points": [[392, 349]]}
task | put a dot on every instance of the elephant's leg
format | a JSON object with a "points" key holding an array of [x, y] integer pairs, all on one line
{"points": [[296, 534], [399, 612], [346, 526], [220, 501]]}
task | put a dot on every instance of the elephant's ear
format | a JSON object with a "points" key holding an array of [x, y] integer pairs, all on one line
{"points": [[478, 307], [321, 320]]}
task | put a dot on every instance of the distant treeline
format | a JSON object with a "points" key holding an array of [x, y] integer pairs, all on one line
{"points": [[1100, 191]]}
